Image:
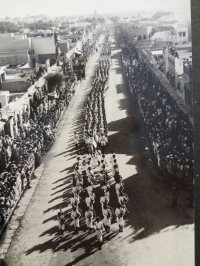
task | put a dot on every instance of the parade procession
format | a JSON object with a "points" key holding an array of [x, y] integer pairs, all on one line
{"points": [[96, 142], [92, 175]]}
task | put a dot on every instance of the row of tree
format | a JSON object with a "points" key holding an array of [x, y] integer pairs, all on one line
{"points": [[43, 25], [8, 27]]}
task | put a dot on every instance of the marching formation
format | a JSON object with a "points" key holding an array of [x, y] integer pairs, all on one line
{"points": [[92, 177]]}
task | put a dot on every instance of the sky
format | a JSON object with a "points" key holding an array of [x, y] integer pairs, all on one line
{"points": [[21, 8]]}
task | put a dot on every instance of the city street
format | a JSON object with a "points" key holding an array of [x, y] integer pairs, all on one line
{"points": [[154, 233]]}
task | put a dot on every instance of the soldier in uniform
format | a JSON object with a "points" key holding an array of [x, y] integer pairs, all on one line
{"points": [[90, 200], [74, 200], [75, 215], [89, 215], [99, 228], [76, 139], [120, 212], [104, 199], [61, 222], [107, 214]]}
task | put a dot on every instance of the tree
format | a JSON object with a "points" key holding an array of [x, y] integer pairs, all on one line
{"points": [[2, 28], [101, 20], [73, 29]]}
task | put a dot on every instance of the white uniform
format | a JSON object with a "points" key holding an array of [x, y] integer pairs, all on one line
{"points": [[121, 200], [120, 218], [103, 200], [106, 220], [103, 140], [88, 201], [99, 230], [117, 187], [89, 190], [76, 138], [74, 200], [75, 216], [89, 219], [93, 142]]}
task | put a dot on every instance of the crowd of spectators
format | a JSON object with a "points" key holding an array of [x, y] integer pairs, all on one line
{"points": [[170, 131], [21, 154]]}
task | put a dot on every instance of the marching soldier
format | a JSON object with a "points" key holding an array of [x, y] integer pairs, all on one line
{"points": [[89, 215], [61, 222], [104, 199], [120, 212], [107, 214], [74, 200], [99, 228], [75, 215], [122, 199], [76, 139], [90, 200], [119, 187]]}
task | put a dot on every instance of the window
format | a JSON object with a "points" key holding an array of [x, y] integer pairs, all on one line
{"points": [[180, 34], [144, 37], [184, 33]]}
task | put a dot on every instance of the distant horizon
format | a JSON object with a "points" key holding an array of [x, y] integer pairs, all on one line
{"points": [[74, 8]]}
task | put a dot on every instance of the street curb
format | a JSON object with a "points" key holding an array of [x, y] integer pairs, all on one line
{"points": [[13, 223]]}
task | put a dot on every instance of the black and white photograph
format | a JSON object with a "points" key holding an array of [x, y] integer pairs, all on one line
{"points": [[96, 133]]}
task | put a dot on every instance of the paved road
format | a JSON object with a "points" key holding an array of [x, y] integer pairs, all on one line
{"points": [[154, 233]]}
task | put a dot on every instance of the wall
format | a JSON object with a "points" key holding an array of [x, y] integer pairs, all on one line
{"points": [[140, 31], [64, 47], [178, 66], [8, 42], [15, 58], [4, 98], [43, 46], [15, 86]]}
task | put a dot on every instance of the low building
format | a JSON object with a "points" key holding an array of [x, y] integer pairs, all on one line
{"points": [[42, 48], [141, 33], [174, 57], [13, 49]]}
